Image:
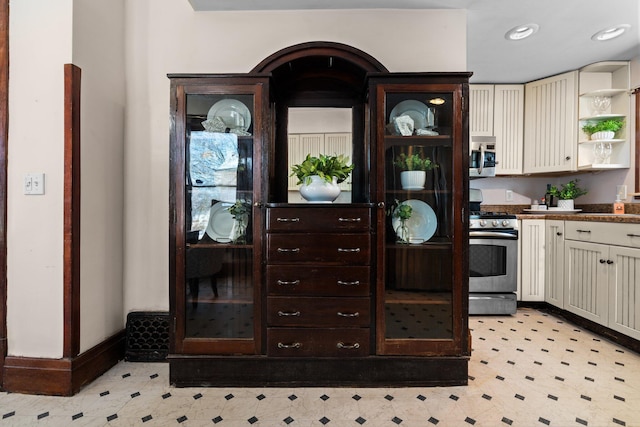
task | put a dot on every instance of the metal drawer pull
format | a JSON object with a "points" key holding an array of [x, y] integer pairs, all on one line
{"points": [[583, 231], [349, 219], [341, 314], [288, 313], [633, 235], [286, 250], [348, 249], [288, 219], [287, 283], [348, 346], [558, 234], [292, 345], [354, 283]]}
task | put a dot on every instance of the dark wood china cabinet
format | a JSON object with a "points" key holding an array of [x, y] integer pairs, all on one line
{"points": [[266, 290]]}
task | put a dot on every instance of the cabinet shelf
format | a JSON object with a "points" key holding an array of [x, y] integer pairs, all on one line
{"points": [[601, 117], [430, 245], [602, 166], [215, 245], [592, 141], [603, 93], [427, 141]]}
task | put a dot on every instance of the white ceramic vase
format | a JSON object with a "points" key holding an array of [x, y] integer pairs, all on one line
{"points": [[565, 205], [603, 135], [413, 180], [320, 191]]}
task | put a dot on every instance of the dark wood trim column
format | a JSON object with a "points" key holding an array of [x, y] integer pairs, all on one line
{"points": [[4, 135], [636, 93], [72, 77]]}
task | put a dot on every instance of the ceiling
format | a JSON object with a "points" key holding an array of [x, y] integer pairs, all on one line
{"points": [[562, 43]]}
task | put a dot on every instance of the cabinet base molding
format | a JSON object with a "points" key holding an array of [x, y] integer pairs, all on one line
{"points": [[615, 336], [259, 371], [62, 377]]}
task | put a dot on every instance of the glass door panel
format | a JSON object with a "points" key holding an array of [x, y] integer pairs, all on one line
{"points": [[219, 292]]}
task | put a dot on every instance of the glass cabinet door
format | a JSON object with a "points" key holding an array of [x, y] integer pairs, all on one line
{"points": [[217, 139], [420, 180]]}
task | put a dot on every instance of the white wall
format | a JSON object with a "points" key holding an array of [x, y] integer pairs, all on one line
{"points": [[40, 45], [167, 36], [98, 49]]}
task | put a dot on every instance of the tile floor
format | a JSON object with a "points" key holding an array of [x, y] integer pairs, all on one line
{"points": [[530, 369]]}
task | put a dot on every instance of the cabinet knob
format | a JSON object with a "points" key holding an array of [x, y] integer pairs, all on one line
{"points": [[381, 205], [609, 262], [568, 158], [558, 234], [257, 204], [602, 261]]}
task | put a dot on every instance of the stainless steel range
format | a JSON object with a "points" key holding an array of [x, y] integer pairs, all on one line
{"points": [[493, 260]]}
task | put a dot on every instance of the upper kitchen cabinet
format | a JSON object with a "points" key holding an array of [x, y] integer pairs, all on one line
{"points": [[550, 133], [604, 95], [498, 110]]}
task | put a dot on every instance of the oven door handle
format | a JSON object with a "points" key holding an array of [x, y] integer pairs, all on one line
{"points": [[493, 234]]}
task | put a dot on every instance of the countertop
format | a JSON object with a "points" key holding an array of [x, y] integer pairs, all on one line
{"points": [[594, 212]]}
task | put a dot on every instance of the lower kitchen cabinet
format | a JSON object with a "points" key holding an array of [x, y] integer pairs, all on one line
{"points": [[532, 260], [602, 274], [554, 263]]}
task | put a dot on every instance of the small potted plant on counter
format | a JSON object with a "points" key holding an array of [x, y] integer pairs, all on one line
{"points": [[566, 194], [321, 175], [603, 129], [413, 167]]}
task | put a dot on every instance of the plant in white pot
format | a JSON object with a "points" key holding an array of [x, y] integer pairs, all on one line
{"points": [[414, 169], [566, 194], [321, 175], [603, 129]]}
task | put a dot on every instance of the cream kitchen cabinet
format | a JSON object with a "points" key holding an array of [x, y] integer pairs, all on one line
{"points": [[498, 110], [554, 262], [532, 260], [604, 94], [550, 114], [602, 262]]}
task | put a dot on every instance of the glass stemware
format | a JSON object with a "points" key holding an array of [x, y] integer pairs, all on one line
{"points": [[600, 105]]}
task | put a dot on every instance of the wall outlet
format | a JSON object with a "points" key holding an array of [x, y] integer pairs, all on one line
{"points": [[508, 195], [34, 183]]}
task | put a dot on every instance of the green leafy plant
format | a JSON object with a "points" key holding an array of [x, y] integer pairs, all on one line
{"points": [[401, 211], [567, 191], [239, 209], [611, 125], [326, 167], [414, 162]]}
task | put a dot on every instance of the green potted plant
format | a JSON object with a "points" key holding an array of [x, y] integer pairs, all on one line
{"points": [[321, 175], [603, 129], [567, 193], [413, 168], [401, 211], [240, 213]]}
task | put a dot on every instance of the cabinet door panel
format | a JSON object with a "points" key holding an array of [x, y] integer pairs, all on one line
{"points": [[509, 128], [532, 265], [624, 306], [554, 265], [585, 280]]}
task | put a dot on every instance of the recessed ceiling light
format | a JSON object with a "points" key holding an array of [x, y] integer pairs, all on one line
{"points": [[521, 31], [610, 33]]}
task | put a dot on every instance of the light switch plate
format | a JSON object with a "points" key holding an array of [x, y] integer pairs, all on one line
{"points": [[34, 183]]}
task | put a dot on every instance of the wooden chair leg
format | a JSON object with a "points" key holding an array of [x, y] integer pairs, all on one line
{"points": [[214, 286], [194, 289]]}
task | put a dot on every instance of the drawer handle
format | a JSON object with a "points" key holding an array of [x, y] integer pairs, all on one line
{"points": [[608, 261], [584, 231], [353, 283], [348, 346], [292, 345], [633, 235], [341, 314], [558, 234], [288, 250], [288, 313], [349, 219], [348, 249], [288, 282], [288, 219]]}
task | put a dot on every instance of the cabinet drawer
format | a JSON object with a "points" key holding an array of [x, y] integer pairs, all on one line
{"points": [[330, 248], [340, 342], [319, 281], [318, 311], [602, 232], [318, 219]]}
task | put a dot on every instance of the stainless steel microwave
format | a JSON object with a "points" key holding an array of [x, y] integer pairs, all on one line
{"points": [[482, 157]]}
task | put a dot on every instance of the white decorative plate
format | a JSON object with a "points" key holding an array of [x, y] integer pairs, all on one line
{"points": [[418, 111], [233, 112], [423, 222], [220, 223]]}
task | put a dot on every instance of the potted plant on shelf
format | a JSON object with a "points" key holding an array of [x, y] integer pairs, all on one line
{"points": [[603, 129], [566, 194], [240, 213], [413, 167], [403, 212], [321, 175]]}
